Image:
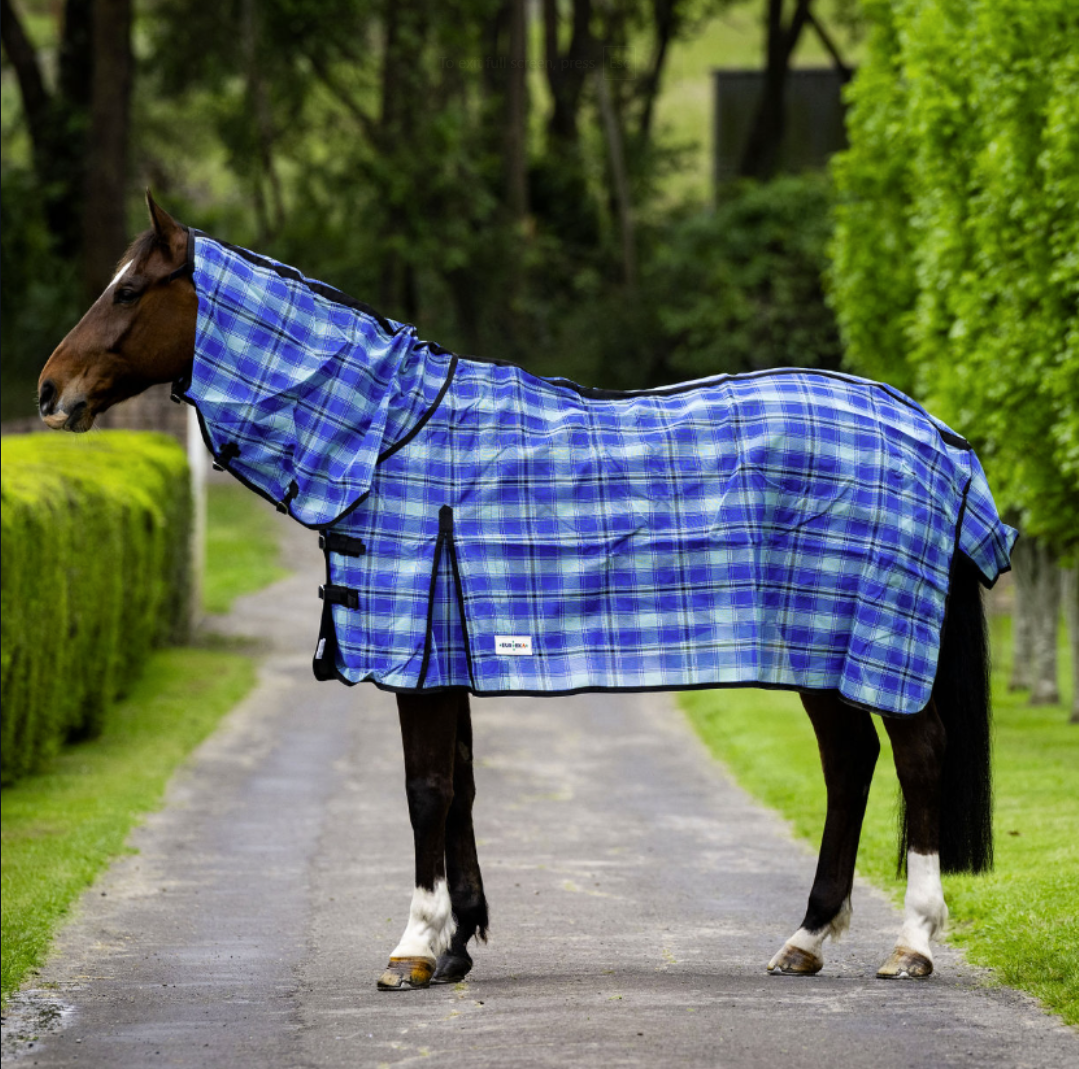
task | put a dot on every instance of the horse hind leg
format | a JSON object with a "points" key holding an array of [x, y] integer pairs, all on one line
{"points": [[462, 862], [919, 745], [848, 748], [429, 733]]}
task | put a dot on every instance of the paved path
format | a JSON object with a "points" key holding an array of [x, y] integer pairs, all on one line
{"points": [[636, 895]]}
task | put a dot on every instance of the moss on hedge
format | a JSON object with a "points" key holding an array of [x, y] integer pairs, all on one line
{"points": [[95, 573]]}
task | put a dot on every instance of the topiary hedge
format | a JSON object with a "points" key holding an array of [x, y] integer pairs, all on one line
{"points": [[95, 572]]}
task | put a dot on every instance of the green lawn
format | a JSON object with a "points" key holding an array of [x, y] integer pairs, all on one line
{"points": [[62, 827], [241, 546], [1023, 919]]}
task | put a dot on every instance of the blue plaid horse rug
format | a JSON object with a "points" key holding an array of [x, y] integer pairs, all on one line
{"points": [[491, 530]]}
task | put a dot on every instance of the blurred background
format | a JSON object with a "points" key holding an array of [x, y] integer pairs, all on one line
{"points": [[537, 181]]}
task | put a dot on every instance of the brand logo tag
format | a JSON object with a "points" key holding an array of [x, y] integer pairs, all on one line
{"points": [[513, 645], [321, 649]]}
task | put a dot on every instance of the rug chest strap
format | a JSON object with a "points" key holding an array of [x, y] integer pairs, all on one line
{"points": [[346, 545], [339, 595]]}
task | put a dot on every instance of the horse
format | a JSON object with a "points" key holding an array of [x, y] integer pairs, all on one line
{"points": [[184, 309]]}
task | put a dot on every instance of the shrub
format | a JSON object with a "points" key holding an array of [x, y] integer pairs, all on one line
{"points": [[95, 572]]}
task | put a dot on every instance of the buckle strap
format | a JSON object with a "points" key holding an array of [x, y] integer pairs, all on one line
{"points": [[226, 455], [346, 545], [340, 595], [290, 494]]}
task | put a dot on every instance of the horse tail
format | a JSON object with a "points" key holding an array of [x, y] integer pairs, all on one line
{"points": [[961, 694]]}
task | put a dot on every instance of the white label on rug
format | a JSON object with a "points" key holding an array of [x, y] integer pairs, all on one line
{"points": [[513, 645], [321, 649]]}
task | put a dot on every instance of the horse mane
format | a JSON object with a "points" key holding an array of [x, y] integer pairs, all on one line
{"points": [[141, 247]]}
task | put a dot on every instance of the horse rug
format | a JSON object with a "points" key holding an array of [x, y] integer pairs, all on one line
{"points": [[488, 529]]}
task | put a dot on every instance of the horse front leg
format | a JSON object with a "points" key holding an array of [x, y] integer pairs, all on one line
{"points": [[918, 743], [848, 749], [429, 733], [462, 862]]}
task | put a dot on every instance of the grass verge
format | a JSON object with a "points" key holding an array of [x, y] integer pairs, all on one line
{"points": [[241, 547], [1022, 920], [61, 827]]}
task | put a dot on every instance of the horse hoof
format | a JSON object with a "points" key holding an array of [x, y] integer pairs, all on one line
{"points": [[452, 968], [404, 974], [794, 961], [905, 964]]}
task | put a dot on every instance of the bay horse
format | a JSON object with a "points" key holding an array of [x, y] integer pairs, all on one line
{"points": [[299, 393]]}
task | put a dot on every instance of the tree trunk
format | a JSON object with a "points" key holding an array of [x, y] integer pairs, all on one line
{"points": [[1070, 596], [1045, 600], [104, 225], [619, 176], [1023, 579], [517, 112], [761, 157]]}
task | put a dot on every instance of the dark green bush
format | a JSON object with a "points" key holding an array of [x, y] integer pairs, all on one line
{"points": [[96, 560]]}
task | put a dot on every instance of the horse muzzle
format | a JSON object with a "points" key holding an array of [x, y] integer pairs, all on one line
{"points": [[77, 417]]}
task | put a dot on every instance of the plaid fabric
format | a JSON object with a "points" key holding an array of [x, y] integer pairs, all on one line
{"points": [[521, 535]]}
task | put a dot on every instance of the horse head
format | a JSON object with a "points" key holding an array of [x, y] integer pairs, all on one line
{"points": [[139, 332]]}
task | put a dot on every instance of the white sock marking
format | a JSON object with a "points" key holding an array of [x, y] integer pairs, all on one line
{"points": [[430, 924], [813, 942], [924, 911]]}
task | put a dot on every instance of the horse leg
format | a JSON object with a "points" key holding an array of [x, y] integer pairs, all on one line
{"points": [[429, 733], [848, 749], [462, 864], [918, 743]]}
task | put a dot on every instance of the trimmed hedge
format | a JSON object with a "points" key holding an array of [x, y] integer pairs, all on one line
{"points": [[956, 253], [96, 572]]}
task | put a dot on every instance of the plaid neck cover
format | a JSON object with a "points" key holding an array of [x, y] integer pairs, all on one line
{"points": [[488, 529]]}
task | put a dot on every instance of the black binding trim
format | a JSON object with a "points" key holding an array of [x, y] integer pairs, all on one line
{"points": [[339, 595], [387, 453], [345, 545]]}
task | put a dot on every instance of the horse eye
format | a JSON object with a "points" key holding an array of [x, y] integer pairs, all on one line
{"points": [[126, 295]]}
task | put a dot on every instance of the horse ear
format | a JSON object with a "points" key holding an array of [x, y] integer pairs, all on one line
{"points": [[165, 227]]}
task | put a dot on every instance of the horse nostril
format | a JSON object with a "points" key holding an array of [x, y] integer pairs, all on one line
{"points": [[46, 398]]}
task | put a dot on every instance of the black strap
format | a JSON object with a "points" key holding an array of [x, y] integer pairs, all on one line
{"points": [[225, 456], [346, 545], [180, 388], [340, 595], [290, 495]]}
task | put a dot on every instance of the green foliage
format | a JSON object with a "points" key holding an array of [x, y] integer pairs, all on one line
{"points": [[62, 826], [740, 288], [95, 573], [241, 548], [1019, 920], [39, 293], [729, 290], [956, 257]]}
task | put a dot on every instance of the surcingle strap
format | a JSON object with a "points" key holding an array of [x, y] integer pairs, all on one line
{"points": [[346, 545], [339, 595]]}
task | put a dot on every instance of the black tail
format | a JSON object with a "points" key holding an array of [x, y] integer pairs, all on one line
{"points": [[961, 693]]}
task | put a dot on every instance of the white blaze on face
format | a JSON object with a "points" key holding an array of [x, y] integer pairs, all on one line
{"points": [[123, 270], [430, 924], [924, 911]]}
